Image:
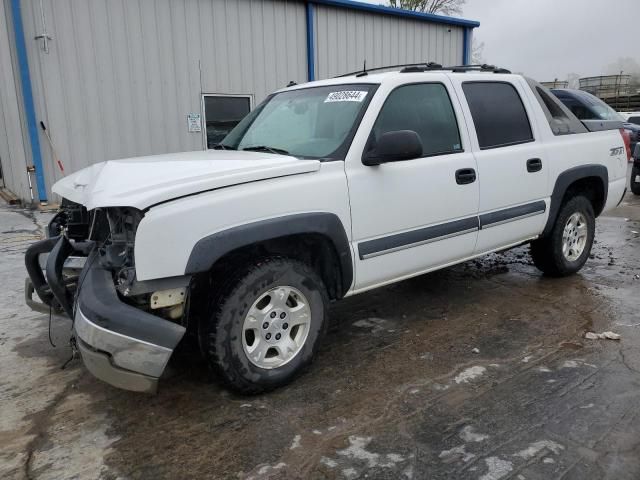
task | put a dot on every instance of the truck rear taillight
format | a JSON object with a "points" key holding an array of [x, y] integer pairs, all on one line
{"points": [[627, 142]]}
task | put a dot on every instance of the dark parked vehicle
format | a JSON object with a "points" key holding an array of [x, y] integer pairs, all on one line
{"points": [[632, 117], [589, 107], [635, 171]]}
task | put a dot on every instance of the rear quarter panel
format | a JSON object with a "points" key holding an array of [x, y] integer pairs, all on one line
{"points": [[594, 148]]}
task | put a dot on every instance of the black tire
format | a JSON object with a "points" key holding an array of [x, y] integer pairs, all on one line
{"points": [[222, 333], [547, 252], [635, 186]]}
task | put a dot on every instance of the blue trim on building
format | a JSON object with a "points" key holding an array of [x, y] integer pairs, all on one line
{"points": [[311, 44], [427, 17], [465, 46], [27, 97]]}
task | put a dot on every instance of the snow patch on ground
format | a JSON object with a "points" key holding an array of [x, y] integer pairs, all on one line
{"points": [[296, 442], [497, 468], [468, 435], [570, 364], [267, 470], [375, 324], [349, 473], [456, 453], [469, 374], [328, 462], [535, 448], [76, 452], [357, 451]]}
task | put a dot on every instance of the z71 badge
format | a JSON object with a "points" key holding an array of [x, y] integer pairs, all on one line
{"points": [[617, 151]]}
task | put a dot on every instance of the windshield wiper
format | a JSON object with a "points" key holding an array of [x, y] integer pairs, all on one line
{"points": [[220, 146], [264, 148]]}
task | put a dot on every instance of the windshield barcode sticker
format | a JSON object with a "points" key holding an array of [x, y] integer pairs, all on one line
{"points": [[346, 96]]}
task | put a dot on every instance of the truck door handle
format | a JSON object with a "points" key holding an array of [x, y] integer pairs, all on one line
{"points": [[465, 176], [534, 165]]}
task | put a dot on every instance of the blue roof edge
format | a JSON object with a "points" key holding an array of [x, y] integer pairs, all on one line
{"points": [[398, 12]]}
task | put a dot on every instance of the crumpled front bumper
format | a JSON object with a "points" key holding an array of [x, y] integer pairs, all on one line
{"points": [[120, 344]]}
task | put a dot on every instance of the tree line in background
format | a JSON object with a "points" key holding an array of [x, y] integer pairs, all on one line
{"points": [[443, 7]]}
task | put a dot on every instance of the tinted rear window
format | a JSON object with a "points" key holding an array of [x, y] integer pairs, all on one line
{"points": [[560, 118], [498, 114], [635, 120]]}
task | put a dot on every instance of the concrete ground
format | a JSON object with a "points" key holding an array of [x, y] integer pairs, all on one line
{"points": [[398, 390]]}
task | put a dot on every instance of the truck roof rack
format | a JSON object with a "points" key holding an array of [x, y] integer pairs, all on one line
{"points": [[426, 67], [478, 68], [423, 66]]}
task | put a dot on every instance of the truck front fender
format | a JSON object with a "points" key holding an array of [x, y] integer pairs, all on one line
{"points": [[208, 250]]}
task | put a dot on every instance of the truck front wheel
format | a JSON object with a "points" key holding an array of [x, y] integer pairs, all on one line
{"points": [[265, 324], [568, 246]]}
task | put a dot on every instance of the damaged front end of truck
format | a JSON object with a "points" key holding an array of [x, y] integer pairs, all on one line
{"points": [[125, 329]]}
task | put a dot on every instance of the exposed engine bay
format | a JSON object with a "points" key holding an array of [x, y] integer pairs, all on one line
{"points": [[112, 233]]}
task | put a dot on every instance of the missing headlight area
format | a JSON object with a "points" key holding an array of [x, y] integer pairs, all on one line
{"points": [[112, 232], [117, 249]]}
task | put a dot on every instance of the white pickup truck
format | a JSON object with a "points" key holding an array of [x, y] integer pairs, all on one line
{"points": [[325, 190]]}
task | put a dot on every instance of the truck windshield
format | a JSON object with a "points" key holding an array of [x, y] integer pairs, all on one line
{"points": [[316, 122]]}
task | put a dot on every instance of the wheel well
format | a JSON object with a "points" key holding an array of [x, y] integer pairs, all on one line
{"points": [[590, 187], [314, 249]]}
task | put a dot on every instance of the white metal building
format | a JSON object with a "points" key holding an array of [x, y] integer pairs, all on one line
{"points": [[119, 78]]}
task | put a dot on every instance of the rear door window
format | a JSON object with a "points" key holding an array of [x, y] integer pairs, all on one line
{"points": [[498, 114]]}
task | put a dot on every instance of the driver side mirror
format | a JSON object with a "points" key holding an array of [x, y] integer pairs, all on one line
{"points": [[394, 146]]}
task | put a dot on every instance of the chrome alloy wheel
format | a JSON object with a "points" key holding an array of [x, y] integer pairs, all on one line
{"points": [[574, 237], [276, 327]]}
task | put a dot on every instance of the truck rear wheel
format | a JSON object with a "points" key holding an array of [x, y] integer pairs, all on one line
{"points": [[265, 325], [635, 186], [568, 246]]}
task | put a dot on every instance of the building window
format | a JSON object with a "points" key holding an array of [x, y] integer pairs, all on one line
{"points": [[222, 113], [498, 114]]}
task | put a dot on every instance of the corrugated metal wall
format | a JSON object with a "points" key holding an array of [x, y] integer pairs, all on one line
{"points": [[122, 75], [346, 38], [13, 154]]}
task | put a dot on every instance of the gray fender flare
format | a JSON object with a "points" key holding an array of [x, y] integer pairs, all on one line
{"points": [[211, 248], [564, 180]]}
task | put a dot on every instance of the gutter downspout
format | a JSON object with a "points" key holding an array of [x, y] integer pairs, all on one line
{"points": [[311, 48], [465, 46], [27, 97]]}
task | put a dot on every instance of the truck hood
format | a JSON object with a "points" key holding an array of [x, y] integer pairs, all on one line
{"points": [[145, 181]]}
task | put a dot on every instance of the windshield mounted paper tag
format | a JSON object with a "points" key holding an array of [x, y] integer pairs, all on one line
{"points": [[346, 96]]}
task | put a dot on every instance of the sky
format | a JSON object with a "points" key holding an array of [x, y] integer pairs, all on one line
{"points": [[548, 39]]}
